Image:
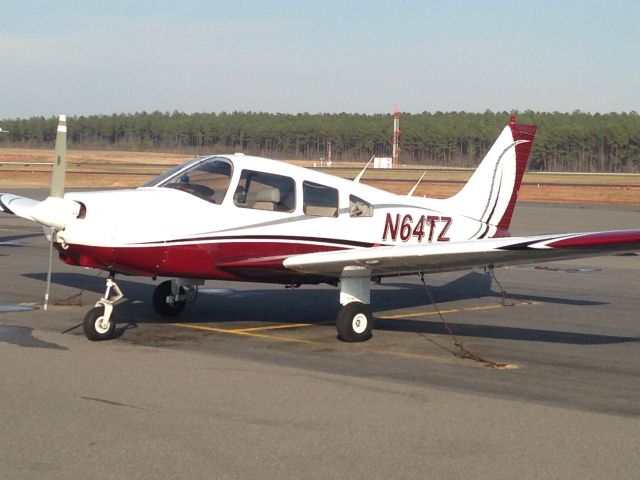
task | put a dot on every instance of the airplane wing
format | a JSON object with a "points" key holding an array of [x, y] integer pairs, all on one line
{"points": [[450, 256]]}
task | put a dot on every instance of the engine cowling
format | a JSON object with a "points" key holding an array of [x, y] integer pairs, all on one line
{"points": [[56, 212]]}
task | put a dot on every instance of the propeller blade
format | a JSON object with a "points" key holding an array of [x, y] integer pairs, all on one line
{"points": [[60, 159], [57, 189]]}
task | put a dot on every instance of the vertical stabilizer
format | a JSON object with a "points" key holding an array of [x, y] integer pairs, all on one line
{"points": [[490, 194]]}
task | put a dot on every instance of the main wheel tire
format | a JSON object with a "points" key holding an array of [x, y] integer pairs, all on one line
{"points": [[354, 322], [94, 325], [160, 304]]}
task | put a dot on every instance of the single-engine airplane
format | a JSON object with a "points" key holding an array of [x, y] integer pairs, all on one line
{"points": [[243, 218]]}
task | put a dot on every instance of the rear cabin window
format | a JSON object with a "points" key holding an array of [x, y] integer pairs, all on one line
{"points": [[359, 207], [319, 200], [265, 191]]}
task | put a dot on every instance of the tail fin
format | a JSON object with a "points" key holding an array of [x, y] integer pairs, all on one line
{"points": [[490, 194]]}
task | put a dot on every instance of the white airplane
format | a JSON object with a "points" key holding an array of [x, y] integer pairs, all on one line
{"points": [[244, 218]]}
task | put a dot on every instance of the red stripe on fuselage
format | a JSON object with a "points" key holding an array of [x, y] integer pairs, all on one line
{"points": [[258, 261]]}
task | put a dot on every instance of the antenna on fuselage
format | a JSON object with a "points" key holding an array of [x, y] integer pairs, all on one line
{"points": [[412, 191], [357, 179]]}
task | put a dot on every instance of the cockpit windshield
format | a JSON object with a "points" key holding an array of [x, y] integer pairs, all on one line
{"points": [[206, 178], [170, 173]]}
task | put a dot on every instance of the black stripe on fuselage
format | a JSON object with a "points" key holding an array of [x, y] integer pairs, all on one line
{"points": [[495, 204], [350, 243], [527, 244], [486, 230], [484, 234]]}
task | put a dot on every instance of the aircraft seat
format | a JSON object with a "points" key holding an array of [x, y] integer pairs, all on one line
{"points": [[321, 211], [265, 199]]}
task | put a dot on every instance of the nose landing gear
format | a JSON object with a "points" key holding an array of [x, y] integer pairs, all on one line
{"points": [[98, 323], [169, 299]]}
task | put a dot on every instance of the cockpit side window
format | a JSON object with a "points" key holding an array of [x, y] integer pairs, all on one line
{"points": [[208, 179], [320, 200], [359, 207], [265, 191]]}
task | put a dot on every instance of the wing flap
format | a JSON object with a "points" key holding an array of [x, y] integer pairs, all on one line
{"points": [[450, 256]]}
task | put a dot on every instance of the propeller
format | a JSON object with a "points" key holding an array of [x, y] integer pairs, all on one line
{"points": [[57, 192]]}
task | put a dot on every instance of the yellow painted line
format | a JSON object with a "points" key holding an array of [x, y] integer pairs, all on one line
{"points": [[242, 333], [415, 356], [482, 307], [272, 327], [451, 310], [429, 313], [418, 314], [251, 332]]}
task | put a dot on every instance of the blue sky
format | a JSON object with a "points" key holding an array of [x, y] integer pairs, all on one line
{"points": [[89, 57]]}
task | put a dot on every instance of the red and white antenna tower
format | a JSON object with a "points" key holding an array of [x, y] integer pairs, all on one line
{"points": [[396, 137]]}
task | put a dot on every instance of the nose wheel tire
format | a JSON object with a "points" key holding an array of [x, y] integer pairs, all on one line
{"points": [[354, 322], [162, 305], [95, 325]]}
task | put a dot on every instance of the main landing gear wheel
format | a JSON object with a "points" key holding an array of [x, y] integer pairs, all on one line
{"points": [[163, 302], [354, 322], [97, 326]]}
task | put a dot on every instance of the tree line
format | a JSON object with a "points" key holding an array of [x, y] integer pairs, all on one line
{"points": [[577, 142]]}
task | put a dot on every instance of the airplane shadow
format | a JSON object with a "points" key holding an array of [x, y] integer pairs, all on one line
{"points": [[402, 295], [8, 240], [469, 286], [320, 306], [501, 333]]}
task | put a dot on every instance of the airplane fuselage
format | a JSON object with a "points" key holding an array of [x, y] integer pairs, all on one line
{"points": [[167, 231]]}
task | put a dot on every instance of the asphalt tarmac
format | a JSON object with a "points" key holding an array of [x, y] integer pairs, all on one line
{"points": [[252, 383]]}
